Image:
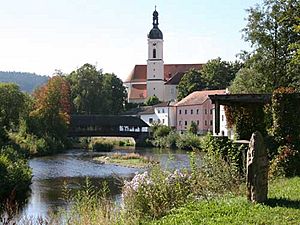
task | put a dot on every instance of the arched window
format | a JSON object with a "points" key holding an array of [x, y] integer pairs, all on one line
{"points": [[154, 53]]}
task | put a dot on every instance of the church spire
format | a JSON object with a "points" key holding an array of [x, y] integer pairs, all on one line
{"points": [[155, 18], [155, 32]]}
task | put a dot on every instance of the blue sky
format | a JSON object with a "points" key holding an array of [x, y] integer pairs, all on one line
{"points": [[43, 35]]}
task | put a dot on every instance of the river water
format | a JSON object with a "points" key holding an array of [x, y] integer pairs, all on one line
{"points": [[52, 174]]}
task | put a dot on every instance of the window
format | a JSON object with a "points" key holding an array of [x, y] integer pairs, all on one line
{"points": [[211, 122], [197, 122], [158, 110], [163, 111], [192, 111], [179, 123], [197, 111], [205, 111], [185, 123], [154, 53], [163, 121], [205, 122], [158, 120], [150, 120], [185, 111], [211, 111], [222, 117], [179, 111]]}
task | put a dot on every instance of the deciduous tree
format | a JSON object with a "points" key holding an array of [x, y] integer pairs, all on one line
{"points": [[271, 32], [190, 82], [218, 74]]}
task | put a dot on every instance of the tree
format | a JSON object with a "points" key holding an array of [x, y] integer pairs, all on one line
{"points": [[218, 74], [248, 81], [86, 84], [115, 93], [190, 82], [93, 92], [271, 31], [51, 110], [11, 107], [152, 100]]}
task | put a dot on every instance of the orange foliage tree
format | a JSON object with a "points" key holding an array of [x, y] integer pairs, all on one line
{"points": [[51, 110]]}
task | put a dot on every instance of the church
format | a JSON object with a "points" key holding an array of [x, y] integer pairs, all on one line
{"points": [[156, 78]]}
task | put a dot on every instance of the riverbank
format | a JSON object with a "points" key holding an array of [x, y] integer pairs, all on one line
{"points": [[282, 207]]}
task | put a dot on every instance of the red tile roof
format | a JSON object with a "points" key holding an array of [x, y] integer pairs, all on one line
{"points": [[198, 97], [139, 72]]}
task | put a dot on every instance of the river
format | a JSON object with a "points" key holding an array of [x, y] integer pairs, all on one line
{"points": [[51, 174]]}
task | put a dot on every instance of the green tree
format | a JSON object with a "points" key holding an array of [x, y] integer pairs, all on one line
{"points": [[93, 92], [152, 100], [218, 74], [115, 94], [11, 107], [86, 84], [248, 81], [271, 31], [190, 82]]}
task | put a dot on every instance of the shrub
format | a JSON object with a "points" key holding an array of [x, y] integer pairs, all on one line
{"points": [[168, 141], [225, 148], [100, 145], [188, 141], [153, 194], [161, 131], [15, 174], [193, 128], [286, 163]]}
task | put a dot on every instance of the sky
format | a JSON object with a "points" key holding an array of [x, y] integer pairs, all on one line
{"points": [[42, 36]]}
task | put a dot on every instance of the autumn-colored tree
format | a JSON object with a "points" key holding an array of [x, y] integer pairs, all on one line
{"points": [[51, 113]]}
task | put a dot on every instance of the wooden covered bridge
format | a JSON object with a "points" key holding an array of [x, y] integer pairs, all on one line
{"points": [[109, 126]]}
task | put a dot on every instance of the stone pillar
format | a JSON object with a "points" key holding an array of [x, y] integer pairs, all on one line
{"points": [[257, 169]]}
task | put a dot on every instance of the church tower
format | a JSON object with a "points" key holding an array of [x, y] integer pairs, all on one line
{"points": [[155, 63]]}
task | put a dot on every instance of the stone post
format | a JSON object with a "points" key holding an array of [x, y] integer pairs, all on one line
{"points": [[257, 169]]}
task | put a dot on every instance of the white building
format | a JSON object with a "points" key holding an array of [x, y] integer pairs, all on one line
{"points": [[162, 113]]}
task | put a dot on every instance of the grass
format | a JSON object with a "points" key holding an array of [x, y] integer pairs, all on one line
{"points": [[282, 207], [127, 160]]}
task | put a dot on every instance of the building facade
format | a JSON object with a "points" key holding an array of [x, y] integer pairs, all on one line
{"points": [[197, 108], [163, 113]]}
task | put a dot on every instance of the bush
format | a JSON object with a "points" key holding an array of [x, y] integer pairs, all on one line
{"points": [[160, 131], [188, 141], [101, 145], [15, 174], [224, 147], [154, 194], [168, 141], [286, 163]]}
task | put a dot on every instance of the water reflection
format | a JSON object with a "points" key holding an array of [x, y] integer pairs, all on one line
{"points": [[52, 173]]}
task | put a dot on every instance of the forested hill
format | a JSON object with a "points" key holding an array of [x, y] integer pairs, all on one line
{"points": [[26, 81]]}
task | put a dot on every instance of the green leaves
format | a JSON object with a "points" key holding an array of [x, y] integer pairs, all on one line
{"points": [[93, 92], [271, 31]]}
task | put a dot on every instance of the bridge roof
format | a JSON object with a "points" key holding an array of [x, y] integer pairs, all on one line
{"points": [[103, 120]]}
